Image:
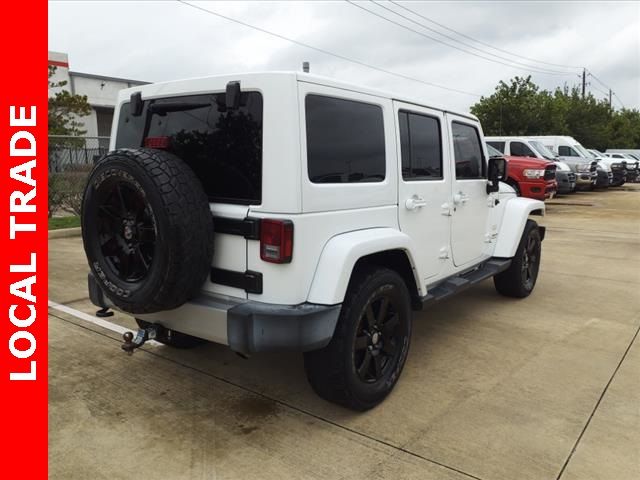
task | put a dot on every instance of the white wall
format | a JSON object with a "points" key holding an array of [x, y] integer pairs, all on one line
{"points": [[101, 93]]}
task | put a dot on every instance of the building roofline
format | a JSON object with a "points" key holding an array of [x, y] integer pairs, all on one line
{"points": [[104, 77]]}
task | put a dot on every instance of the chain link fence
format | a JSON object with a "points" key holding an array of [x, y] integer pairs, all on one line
{"points": [[70, 161]]}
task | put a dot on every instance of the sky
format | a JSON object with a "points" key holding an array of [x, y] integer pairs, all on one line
{"points": [[169, 40]]}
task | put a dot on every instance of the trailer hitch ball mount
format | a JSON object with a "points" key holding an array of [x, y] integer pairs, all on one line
{"points": [[142, 336]]}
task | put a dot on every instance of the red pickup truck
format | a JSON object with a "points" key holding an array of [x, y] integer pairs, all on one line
{"points": [[530, 177]]}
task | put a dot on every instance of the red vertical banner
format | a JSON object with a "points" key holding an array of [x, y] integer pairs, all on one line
{"points": [[23, 239]]}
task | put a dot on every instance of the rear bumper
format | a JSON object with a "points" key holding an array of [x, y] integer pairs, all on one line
{"points": [[246, 326]]}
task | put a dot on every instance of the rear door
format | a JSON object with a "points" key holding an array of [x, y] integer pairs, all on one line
{"points": [[224, 149], [469, 191], [424, 184]]}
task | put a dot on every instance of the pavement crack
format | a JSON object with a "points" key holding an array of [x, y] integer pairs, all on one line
{"points": [[595, 408]]}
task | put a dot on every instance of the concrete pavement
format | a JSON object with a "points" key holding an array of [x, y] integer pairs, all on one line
{"points": [[494, 388]]}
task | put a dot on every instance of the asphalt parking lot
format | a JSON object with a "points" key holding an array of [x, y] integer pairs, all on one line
{"points": [[494, 388]]}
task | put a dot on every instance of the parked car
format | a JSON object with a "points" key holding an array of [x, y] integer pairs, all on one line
{"points": [[570, 151], [529, 177], [286, 211], [631, 165], [524, 147], [618, 168], [635, 152]]}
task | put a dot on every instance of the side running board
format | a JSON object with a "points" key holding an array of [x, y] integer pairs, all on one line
{"points": [[459, 283]]}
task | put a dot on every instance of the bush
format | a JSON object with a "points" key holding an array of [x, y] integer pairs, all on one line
{"points": [[66, 189]]}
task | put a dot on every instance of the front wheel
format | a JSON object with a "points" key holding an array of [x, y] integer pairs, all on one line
{"points": [[365, 357], [520, 278]]}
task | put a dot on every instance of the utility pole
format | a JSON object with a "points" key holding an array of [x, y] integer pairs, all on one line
{"points": [[609, 99], [584, 80]]}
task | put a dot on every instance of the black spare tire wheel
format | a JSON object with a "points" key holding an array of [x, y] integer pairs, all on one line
{"points": [[147, 230]]}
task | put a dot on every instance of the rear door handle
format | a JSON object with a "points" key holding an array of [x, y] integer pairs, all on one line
{"points": [[415, 202], [460, 198]]}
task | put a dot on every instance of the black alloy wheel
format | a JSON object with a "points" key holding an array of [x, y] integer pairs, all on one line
{"points": [[147, 230], [520, 278], [530, 262], [363, 361], [377, 339], [127, 230]]}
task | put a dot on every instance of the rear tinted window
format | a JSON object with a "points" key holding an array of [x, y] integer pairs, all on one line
{"points": [[519, 149], [468, 152], [223, 147], [565, 151], [345, 141], [497, 145], [421, 146]]}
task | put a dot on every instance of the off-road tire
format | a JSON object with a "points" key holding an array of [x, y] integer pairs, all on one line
{"points": [[181, 227], [173, 338], [331, 371], [513, 281]]}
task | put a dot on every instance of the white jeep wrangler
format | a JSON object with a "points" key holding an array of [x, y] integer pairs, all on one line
{"points": [[288, 211]]}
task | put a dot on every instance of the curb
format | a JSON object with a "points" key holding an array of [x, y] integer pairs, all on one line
{"points": [[65, 232]]}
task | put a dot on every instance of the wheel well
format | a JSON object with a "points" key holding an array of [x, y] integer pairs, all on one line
{"points": [[398, 261], [538, 211]]}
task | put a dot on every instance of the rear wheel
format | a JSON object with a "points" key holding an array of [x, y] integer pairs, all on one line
{"points": [[365, 357], [173, 338], [520, 278]]}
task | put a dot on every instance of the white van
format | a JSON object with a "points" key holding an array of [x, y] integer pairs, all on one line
{"points": [[570, 150]]}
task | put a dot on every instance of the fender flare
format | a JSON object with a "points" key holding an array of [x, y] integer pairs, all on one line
{"points": [[516, 212], [340, 255]]}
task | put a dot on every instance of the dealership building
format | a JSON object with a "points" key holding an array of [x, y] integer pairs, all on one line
{"points": [[101, 92]]}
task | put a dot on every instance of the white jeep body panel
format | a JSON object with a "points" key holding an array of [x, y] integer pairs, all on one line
{"points": [[445, 227], [343, 251], [515, 217]]}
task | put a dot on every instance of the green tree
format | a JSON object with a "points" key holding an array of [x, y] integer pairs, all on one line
{"points": [[521, 108], [65, 109]]}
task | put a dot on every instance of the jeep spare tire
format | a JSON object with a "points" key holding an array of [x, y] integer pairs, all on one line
{"points": [[147, 230]]}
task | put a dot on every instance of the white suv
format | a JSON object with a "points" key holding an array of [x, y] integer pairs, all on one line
{"points": [[288, 211]]}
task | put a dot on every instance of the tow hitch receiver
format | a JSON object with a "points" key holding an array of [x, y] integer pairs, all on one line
{"points": [[142, 336]]}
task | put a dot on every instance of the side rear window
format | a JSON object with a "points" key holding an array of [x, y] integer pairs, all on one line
{"points": [[345, 140], [421, 146], [468, 152], [223, 147], [519, 149], [497, 145], [565, 151]]}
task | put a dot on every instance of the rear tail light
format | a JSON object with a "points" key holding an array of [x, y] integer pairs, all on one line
{"points": [[276, 240], [159, 143]]}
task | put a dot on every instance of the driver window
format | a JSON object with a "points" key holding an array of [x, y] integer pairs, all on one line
{"points": [[468, 154]]}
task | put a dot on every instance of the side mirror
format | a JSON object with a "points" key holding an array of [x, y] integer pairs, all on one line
{"points": [[136, 104], [232, 95], [497, 171]]}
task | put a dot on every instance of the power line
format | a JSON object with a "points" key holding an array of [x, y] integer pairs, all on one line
{"points": [[618, 98], [524, 66], [607, 87], [593, 87], [479, 41], [445, 43], [327, 52]]}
